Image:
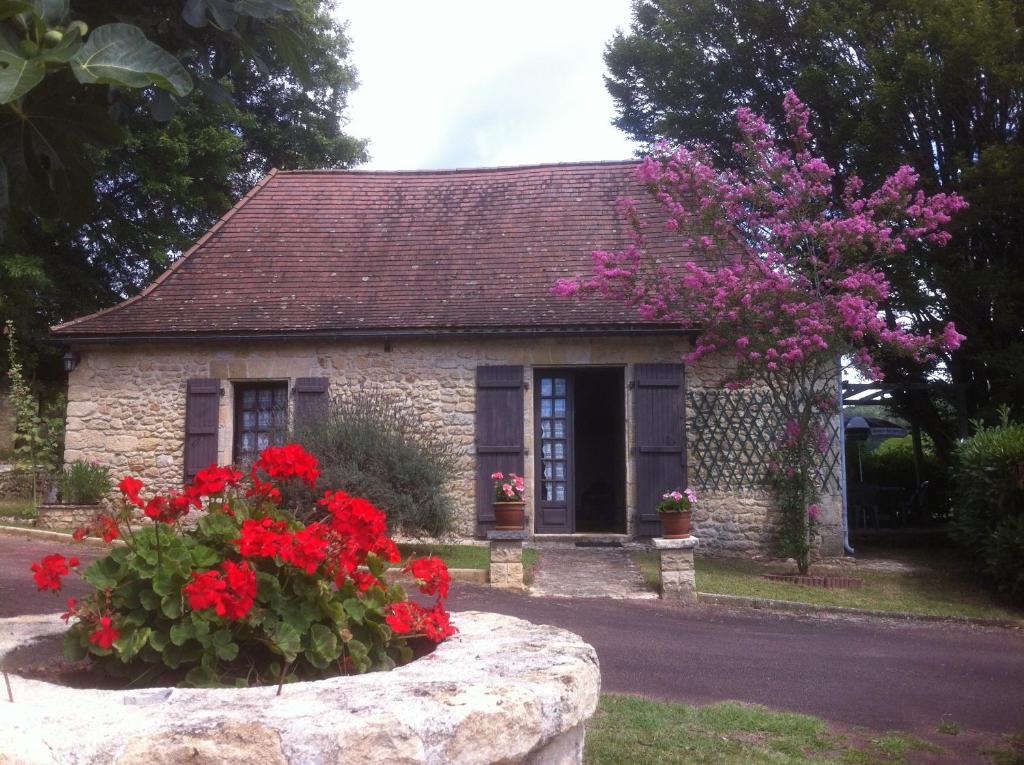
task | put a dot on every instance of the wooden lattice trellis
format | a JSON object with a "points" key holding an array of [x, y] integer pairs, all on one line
{"points": [[732, 437]]}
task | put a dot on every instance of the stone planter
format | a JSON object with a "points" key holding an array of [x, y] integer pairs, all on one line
{"points": [[501, 691], [66, 517]]}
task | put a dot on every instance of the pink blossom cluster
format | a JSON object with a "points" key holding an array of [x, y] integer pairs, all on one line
{"points": [[804, 282]]}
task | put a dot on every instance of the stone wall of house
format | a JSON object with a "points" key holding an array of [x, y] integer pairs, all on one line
{"points": [[126, 405]]}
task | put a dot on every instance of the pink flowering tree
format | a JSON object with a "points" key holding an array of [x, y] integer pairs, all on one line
{"points": [[797, 280]]}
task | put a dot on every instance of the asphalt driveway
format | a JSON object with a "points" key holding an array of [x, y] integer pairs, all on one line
{"points": [[880, 674]]}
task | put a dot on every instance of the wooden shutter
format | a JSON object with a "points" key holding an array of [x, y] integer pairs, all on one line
{"points": [[659, 409], [202, 406], [310, 398], [499, 433]]}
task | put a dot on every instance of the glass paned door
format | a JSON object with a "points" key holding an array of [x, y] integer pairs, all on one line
{"points": [[553, 413]]}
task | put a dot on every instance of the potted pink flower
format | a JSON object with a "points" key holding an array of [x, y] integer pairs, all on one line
{"points": [[675, 510], [509, 501]]}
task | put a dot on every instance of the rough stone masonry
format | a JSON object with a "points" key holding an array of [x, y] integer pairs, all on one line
{"points": [[126, 408]]}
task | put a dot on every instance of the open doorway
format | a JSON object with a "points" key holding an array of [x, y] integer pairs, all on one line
{"points": [[581, 450]]}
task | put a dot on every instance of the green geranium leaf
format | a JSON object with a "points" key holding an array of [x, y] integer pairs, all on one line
{"points": [[204, 557], [201, 677], [131, 641], [287, 641], [103, 574], [120, 54], [171, 606], [149, 600], [167, 583], [159, 640], [74, 646], [355, 609], [323, 642], [181, 632]]}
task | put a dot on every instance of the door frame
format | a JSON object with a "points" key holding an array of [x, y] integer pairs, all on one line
{"points": [[538, 458], [571, 374]]}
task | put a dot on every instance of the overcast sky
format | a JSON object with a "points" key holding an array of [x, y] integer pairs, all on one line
{"points": [[460, 83]]}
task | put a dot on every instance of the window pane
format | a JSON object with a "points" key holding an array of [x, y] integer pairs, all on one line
{"points": [[266, 398], [248, 420], [280, 418], [559, 450], [549, 470], [559, 492], [559, 407], [264, 420], [281, 397], [560, 470], [559, 429], [549, 491], [545, 386], [249, 398], [545, 407], [247, 442], [559, 386], [546, 451], [545, 428], [262, 441]]}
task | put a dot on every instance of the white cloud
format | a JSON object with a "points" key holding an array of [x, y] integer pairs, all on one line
{"points": [[455, 83]]}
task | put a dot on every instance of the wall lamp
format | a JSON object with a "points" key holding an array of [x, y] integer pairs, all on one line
{"points": [[70, 361]]}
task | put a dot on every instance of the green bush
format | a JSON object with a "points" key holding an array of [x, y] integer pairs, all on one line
{"points": [[990, 503], [371, 444], [83, 483]]}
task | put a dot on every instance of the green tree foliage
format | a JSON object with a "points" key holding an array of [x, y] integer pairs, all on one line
{"points": [[135, 174], [38, 428], [935, 83]]}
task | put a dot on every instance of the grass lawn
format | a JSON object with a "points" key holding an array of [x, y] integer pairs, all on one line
{"points": [[628, 730], [465, 556], [23, 509], [938, 585]]}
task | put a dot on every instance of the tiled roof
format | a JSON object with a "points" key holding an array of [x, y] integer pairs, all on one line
{"points": [[357, 252]]}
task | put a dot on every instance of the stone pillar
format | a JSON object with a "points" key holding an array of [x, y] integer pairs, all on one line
{"points": [[678, 581], [507, 558]]}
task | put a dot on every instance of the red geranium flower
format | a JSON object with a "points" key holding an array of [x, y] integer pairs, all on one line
{"points": [[288, 461], [131, 487], [107, 526], [105, 634], [213, 480], [230, 593], [405, 617], [431, 575], [49, 570], [436, 624]]}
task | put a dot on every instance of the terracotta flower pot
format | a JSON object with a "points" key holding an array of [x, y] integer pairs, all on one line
{"points": [[676, 525], [508, 516]]}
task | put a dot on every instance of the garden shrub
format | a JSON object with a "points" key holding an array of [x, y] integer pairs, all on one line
{"points": [[248, 595], [83, 483], [989, 493], [372, 444]]}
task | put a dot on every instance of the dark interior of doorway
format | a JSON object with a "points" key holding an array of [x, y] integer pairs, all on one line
{"points": [[600, 451]]}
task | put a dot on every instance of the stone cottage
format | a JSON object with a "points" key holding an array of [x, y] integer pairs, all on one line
{"points": [[434, 285]]}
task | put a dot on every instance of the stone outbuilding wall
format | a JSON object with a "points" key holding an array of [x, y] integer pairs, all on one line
{"points": [[126, 404]]}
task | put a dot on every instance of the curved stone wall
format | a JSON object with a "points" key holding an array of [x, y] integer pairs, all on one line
{"points": [[502, 691]]}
